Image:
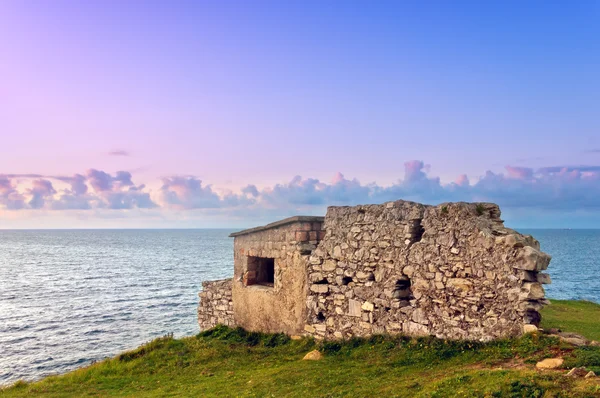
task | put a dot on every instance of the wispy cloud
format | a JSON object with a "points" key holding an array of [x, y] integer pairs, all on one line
{"points": [[119, 152]]}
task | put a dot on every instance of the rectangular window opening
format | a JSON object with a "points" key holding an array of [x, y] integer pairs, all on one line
{"points": [[261, 271]]}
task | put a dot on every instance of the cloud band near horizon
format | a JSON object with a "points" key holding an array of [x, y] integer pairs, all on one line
{"points": [[557, 188]]}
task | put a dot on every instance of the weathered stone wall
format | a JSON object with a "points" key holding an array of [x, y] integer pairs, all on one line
{"points": [[216, 305], [452, 270], [280, 307]]}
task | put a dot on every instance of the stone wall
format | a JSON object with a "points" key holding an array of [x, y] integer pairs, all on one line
{"points": [[452, 270], [278, 307], [216, 305]]}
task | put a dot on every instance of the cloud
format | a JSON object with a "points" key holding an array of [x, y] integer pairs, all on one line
{"points": [[95, 189], [187, 192], [9, 197], [250, 190], [119, 152], [554, 188], [40, 191]]}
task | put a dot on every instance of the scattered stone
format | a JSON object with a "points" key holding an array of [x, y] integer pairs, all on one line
{"points": [[573, 338], [575, 341], [529, 329], [590, 375], [314, 355], [295, 337], [550, 363], [577, 372]]}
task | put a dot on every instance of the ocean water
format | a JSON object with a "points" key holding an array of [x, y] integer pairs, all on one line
{"points": [[68, 298]]}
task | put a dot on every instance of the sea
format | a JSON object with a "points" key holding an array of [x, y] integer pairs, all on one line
{"points": [[72, 297]]}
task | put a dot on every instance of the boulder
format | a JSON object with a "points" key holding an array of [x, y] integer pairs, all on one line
{"points": [[550, 363], [314, 355]]}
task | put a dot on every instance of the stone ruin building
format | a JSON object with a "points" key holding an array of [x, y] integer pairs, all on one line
{"points": [[452, 271]]}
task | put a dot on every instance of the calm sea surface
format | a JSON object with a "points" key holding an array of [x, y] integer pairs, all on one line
{"points": [[70, 297]]}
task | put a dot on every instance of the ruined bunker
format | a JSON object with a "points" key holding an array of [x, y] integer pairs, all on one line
{"points": [[451, 271]]}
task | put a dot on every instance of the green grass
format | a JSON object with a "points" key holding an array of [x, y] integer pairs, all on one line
{"points": [[581, 317], [232, 362]]}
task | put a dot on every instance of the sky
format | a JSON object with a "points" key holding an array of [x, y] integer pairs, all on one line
{"points": [[161, 114]]}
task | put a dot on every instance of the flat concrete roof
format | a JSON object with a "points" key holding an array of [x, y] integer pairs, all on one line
{"points": [[278, 224]]}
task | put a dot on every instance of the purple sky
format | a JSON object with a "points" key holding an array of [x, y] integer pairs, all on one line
{"points": [[203, 114]]}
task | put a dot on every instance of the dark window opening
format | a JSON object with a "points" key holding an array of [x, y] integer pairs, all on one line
{"points": [[320, 317], [417, 231], [402, 290], [346, 280], [261, 271]]}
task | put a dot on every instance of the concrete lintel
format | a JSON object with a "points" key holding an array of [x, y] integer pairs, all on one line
{"points": [[279, 223]]}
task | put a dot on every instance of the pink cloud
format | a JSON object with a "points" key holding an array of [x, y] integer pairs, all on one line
{"points": [[558, 188]]}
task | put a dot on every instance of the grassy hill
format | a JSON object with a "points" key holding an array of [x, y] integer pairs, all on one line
{"points": [[232, 362]]}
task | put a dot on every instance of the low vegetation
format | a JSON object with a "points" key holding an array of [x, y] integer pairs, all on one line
{"points": [[581, 317], [233, 362]]}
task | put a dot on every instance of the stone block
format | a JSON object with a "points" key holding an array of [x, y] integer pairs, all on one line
{"points": [[367, 306], [460, 284], [543, 279], [530, 259], [415, 329], [309, 329], [329, 265], [354, 308], [302, 236], [319, 288], [305, 226], [532, 291]]}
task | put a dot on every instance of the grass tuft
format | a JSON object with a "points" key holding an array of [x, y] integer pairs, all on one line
{"points": [[480, 209]]}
